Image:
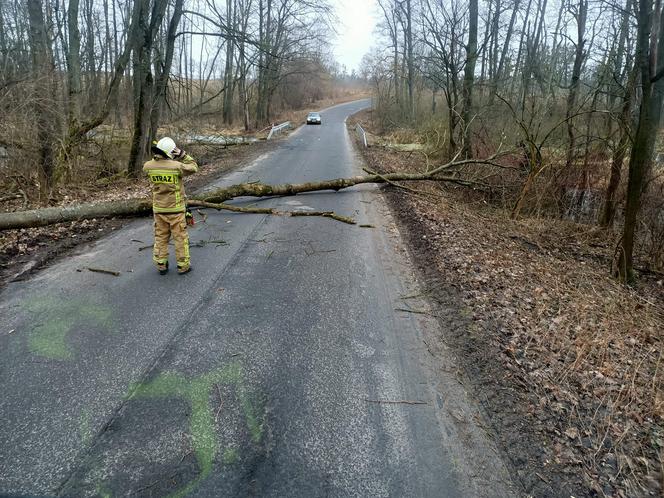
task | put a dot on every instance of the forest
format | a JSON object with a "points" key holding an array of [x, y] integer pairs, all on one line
{"points": [[86, 85], [569, 93]]}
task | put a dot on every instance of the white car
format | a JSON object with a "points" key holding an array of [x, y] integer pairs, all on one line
{"points": [[313, 118]]}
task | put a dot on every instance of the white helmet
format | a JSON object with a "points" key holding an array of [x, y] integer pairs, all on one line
{"points": [[167, 146]]}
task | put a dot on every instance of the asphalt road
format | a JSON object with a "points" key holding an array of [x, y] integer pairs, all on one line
{"points": [[278, 367]]}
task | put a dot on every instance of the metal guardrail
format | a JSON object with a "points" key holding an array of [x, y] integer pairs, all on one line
{"points": [[278, 129], [362, 134]]}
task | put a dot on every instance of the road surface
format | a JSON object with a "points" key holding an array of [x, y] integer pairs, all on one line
{"points": [[281, 366]]}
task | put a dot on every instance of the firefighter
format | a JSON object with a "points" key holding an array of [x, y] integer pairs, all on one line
{"points": [[169, 204]]}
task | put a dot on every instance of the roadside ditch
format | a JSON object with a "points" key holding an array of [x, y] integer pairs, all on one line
{"points": [[563, 360]]}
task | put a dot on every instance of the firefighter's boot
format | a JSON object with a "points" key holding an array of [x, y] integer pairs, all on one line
{"points": [[163, 268]]}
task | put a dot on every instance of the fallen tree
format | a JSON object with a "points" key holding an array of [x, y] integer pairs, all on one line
{"points": [[216, 199]]}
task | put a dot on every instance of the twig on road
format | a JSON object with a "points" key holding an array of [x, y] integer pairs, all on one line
{"points": [[203, 215], [107, 272], [413, 296], [324, 214], [417, 312], [395, 402], [238, 209], [312, 250], [145, 488], [186, 455], [203, 243], [428, 347]]}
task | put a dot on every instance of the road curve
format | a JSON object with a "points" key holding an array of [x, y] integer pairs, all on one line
{"points": [[281, 366]]}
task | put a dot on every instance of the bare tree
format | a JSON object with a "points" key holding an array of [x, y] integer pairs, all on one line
{"points": [[73, 64], [580, 14], [44, 95], [649, 59], [469, 75], [163, 68]]}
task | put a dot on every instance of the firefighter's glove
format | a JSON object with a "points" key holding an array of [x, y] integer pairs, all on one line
{"points": [[190, 218], [179, 154]]}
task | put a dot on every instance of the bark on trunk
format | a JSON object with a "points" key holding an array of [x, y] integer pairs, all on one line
{"points": [[42, 65], [576, 79], [143, 82], [469, 76], [503, 55], [410, 61], [227, 109], [73, 65], [650, 54]]}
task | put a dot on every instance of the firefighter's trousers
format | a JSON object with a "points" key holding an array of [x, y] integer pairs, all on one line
{"points": [[167, 226]]}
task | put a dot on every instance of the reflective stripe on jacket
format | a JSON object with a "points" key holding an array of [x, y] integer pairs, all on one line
{"points": [[167, 188]]}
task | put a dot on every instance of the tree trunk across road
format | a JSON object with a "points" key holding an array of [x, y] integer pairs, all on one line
{"points": [[143, 207]]}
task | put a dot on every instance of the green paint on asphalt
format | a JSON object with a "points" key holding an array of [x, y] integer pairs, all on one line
{"points": [[49, 340], [167, 384], [255, 422], [230, 456], [198, 392], [57, 319], [103, 492]]}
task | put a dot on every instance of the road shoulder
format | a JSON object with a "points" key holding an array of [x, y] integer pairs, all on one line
{"points": [[464, 427]]}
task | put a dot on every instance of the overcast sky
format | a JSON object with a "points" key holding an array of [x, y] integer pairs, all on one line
{"points": [[357, 20]]}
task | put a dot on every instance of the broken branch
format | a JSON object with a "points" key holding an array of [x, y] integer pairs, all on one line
{"points": [[324, 214], [238, 209], [107, 272]]}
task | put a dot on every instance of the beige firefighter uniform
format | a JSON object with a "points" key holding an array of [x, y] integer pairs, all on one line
{"points": [[169, 206]]}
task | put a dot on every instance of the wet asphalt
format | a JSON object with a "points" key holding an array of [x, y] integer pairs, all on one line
{"points": [[278, 367]]}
